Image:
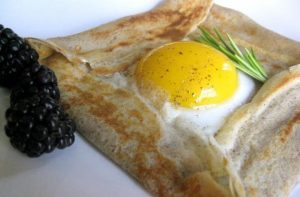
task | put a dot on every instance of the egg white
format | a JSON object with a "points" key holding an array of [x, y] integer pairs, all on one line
{"points": [[209, 119]]}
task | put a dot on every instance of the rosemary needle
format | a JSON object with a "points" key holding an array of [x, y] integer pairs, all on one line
{"points": [[245, 61]]}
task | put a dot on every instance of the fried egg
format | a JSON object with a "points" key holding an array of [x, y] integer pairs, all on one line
{"points": [[199, 84]]}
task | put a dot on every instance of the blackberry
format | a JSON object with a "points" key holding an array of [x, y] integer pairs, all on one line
{"points": [[37, 79], [37, 125], [15, 55]]}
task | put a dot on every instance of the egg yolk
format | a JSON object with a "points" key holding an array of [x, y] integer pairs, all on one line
{"points": [[190, 73]]}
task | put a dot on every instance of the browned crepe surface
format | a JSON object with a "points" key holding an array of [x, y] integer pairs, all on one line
{"points": [[165, 160]]}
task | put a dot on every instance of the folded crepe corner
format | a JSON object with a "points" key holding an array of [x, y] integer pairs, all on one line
{"points": [[276, 52], [254, 154], [262, 137]]}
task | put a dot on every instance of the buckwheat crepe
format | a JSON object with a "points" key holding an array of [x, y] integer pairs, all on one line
{"points": [[255, 153]]}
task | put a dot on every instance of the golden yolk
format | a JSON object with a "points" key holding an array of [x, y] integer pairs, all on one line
{"points": [[190, 73]]}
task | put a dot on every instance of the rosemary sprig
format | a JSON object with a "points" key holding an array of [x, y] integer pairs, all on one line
{"points": [[245, 61]]}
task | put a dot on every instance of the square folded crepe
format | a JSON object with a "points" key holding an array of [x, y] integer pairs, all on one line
{"points": [[255, 153]]}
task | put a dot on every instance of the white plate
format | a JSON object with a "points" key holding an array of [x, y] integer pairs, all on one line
{"points": [[81, 170]]}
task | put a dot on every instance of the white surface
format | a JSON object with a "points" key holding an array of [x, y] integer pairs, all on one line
{"points": [[81, 170]]}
